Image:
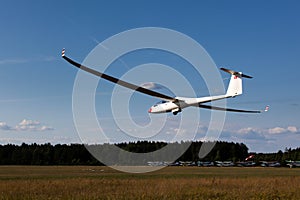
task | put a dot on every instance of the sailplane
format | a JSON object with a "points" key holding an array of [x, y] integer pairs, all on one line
{"points": [[177, 104]]}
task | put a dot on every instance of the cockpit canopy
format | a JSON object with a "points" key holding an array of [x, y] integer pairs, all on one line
{"points": [[160, 102]]}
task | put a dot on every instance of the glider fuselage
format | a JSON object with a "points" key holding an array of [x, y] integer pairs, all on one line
{"points": [[181, 103]]}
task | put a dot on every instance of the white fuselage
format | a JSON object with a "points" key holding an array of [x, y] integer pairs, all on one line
{"points": [[183, 102], [234, 89]]}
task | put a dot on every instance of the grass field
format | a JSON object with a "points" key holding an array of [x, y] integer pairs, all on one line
{"points": [[89, 182]]}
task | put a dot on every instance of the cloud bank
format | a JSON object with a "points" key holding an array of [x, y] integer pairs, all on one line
{"points": [[25, 125], [271, 131]]}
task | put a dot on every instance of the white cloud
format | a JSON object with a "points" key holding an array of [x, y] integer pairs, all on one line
{"points": [[4, 126], [26, 125], [280, 130], [248, 130], [179, 131], [46, 128], [251, 134], [292, 129], [26, 122], [276, 130], [151, 85], [271, 131]]}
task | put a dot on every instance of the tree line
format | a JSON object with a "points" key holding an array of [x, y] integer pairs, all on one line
{"points": [[77, 154], [280, 156]]}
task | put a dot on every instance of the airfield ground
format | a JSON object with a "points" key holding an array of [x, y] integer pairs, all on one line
{"points": [[95, 182]]}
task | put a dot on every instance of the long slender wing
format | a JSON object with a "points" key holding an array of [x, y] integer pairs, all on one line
{"points": [[117, 81], [228, 109]]}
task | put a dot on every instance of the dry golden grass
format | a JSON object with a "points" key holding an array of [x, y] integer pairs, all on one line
{"points": [[86, 182]]}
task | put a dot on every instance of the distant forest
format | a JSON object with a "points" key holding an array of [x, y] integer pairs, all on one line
{"points": [[77, 154]]}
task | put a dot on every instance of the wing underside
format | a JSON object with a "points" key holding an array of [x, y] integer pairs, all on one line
{"points": [[227, 109]]}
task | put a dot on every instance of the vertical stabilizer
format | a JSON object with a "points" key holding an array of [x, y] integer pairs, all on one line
{"points": [[235, 86]]}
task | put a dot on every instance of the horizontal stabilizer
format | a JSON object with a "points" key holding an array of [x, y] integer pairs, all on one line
{"points": [[239, 74]]}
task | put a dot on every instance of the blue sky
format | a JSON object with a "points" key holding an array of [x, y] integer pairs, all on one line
{"points": [[260, 38]]}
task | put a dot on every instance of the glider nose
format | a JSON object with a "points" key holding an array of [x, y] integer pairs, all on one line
{"points": [[150, 110]]}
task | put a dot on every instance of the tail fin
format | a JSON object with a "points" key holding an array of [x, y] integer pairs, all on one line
{"points": [[235, 86]]}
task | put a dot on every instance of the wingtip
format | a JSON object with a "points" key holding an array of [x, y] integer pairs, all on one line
{"points": [[267, 108], [63, 52]]}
